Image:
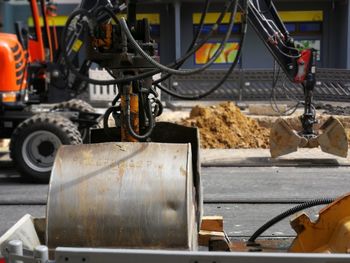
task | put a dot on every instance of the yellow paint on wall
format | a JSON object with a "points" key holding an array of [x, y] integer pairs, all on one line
{"points": [[57, 21], [211, 18], [301, 16], [286, 16], [154, 19]]}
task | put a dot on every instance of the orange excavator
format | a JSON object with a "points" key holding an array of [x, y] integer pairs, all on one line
{"points": [[19, 51], [32, 74]]}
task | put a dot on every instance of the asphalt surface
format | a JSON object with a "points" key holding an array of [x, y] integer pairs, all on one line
{"points": [[246, 196]]}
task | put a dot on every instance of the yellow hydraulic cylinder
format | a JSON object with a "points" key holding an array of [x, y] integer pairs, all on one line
{"points": [[134, 116]]}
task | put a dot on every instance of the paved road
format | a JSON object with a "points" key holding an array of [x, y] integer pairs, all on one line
{"points": [[245, 196]]}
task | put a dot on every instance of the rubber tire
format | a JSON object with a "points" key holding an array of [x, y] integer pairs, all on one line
{"points": [[60, 126], [77, 105]]}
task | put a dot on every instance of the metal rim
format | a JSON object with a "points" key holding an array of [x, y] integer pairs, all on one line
{"points": [[39, 150]]}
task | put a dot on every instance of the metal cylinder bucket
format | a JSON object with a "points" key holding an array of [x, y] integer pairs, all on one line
{"points": [[122, 195]]}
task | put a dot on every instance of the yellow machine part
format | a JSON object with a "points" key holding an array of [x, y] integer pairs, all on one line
{"points": [[329, 234], [134, 110]]}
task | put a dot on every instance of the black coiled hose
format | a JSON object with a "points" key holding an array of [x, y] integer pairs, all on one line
{"points": [[87, 14], [171, 70], [128, 121], [289, 212], [223, 79]]}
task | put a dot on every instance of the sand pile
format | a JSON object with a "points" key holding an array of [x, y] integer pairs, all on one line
{"points": [[224, 126]]}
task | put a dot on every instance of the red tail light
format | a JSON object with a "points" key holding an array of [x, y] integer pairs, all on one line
{"points": [[2, 260]]}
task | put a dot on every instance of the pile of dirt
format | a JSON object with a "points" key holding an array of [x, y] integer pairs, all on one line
{"points": [[224, 126]]}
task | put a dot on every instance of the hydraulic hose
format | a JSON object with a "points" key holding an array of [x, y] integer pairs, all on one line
{"points": [[179, 62], [139, 76], [273, 103], [224, 78], [70, 65], [194, 40], [162, 67], [205, 39], [106, 115], [201, 24], [128, 121], [228, 4], [289, 212]]}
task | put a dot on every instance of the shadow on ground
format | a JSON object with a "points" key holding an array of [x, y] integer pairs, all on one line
{"points": [[268, 162]]}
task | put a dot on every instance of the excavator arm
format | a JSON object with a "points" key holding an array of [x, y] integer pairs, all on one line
{"points": [[266, 22], [127, 51], [299, 66]]}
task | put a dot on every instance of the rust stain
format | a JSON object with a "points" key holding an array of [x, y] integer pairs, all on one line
{"points": [[87, 157], [183, 172], [121, 170]]}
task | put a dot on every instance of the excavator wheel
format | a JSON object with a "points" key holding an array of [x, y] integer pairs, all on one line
{"points": [[77, 105], [35, 141]]}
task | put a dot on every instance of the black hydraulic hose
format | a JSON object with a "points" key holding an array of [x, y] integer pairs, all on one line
{"points": [[188, 54], [273, 103], [115, 100], [211, 90], [139, 76], [214, 27], [289, 212], [106, 115], [72, 67], [180, 61], [224, 78], [162, 67], [194, 40], [128, 121], [201, 24], [111, 110], [228, 4]]}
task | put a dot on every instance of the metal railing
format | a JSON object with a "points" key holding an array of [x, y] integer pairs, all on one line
{"points": [[256, 84], [244, 84]]}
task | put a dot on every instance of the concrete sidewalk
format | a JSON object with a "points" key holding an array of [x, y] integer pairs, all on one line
{"points": [[261, 158]]}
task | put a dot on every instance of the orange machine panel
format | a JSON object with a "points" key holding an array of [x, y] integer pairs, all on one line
{"points": [[12, 61]]}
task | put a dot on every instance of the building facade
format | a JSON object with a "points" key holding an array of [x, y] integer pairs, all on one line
{"points": [[322, 24]]}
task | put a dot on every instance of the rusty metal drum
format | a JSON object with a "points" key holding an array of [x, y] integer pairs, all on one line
{"points": [[131, 195]]}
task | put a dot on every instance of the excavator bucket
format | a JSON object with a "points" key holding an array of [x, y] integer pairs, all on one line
{"points": [[123, 195], [333, 138], [283, 139], [127, 194]]}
